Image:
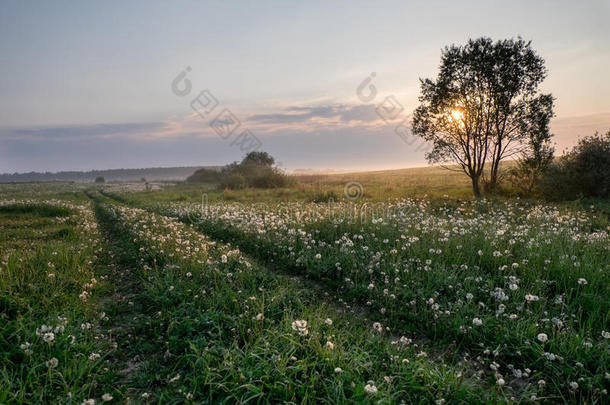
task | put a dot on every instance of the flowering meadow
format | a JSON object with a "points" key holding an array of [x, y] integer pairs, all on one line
{"points": [[123, 296], [520, 289]]}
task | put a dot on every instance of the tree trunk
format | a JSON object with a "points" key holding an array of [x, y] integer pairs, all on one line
{"points": [[476, 190]]}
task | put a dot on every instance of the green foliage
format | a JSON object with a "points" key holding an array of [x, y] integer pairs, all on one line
{"points": [[254, 171], [100, 179], [258, 159], [483, 106], [582, 172], [205, 175]]}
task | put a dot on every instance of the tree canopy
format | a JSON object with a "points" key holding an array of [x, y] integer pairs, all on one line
{"points": [[484, 106]]}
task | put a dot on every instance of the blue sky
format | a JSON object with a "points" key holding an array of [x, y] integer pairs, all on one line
{"points": [[87, 85]]}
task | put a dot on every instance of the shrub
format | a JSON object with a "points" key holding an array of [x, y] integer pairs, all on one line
{"points": [[100, 179], [582, 172], [205, 175], [234, 182], [255, 170]]}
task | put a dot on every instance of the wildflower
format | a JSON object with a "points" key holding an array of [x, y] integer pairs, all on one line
{"points": [[370, 388], [223, 258], [52, 363], [89, 401], [318, 256], [542, 337], [338, 370], [94, 356], [26, 348], [259, 317], [477, 322], [330, 345], [300, 326], [328, 321], [605, 335], [48, 337], [500, 382], [405, 340], [582, 281], [107, 397], [573, 385], [174, 379], [531, 298], [377, 326]]}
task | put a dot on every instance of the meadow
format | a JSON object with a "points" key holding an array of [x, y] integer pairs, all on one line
{"points": [[408, 292]]}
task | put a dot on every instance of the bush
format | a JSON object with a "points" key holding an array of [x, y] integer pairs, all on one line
{"points": [[255, 170], [582, 172], [205, 176], [100, 179], [234, 182]]}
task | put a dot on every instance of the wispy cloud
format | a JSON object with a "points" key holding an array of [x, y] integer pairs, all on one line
{"points": [[82, 131], [342, 112]]}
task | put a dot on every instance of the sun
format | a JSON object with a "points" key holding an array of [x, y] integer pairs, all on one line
{"points": [[457, 115]]}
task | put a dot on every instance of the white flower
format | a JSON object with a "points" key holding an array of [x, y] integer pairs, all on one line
{"points": [[26, 348], [500, 382], [573, 385], [48, 337], [338, 370], [405, 340], [52, 363], [582, 281], [223, 258], [89, 401], [542, 337], [330, 345], [370, 388], [377, 326], [531, 298], [300, 326], [94, 356], [328, 321], [107, 397], [318, 256], [259, 317], [477, 322], [605, 335]]}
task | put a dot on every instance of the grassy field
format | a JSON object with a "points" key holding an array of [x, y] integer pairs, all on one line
{"points": [[378, 287]]}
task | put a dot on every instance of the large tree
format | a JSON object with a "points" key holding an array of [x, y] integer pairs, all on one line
{"points": [[484, 106]]}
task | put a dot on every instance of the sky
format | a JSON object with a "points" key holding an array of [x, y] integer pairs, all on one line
{"points": [[97, 85]]}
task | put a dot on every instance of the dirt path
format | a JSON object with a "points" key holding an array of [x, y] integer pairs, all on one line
{"points": [[120, 305]]}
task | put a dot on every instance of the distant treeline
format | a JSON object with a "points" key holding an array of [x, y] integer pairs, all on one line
{"points": [[148, 174]]}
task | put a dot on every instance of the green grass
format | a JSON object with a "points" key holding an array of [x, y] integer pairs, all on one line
{"points": [[216, 327], [48, 290], [192, 305], [544, 251]]}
